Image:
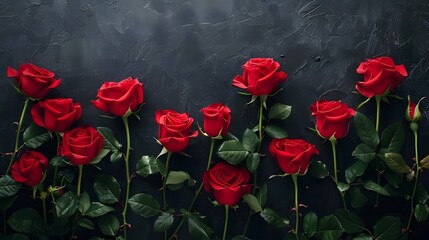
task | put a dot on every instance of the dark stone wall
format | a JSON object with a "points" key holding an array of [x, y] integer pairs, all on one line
{"points": [[186, 52]]}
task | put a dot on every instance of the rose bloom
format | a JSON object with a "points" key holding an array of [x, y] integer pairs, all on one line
{"points": [[120, 98], [292, 155], [379, 75], [81, 145], [227, 183], [35, 82], [217, 119], [174, 129], [260, 76], [332, 118], [56, 115], [30, 168]]}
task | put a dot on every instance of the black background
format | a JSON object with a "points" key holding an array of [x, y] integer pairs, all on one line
{"points": [[186, 52]]}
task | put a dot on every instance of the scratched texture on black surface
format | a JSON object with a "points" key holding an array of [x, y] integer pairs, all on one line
{"points": [[186, 52]]}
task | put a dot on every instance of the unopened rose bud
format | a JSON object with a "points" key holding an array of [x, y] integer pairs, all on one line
{"points": [[413, 113]]}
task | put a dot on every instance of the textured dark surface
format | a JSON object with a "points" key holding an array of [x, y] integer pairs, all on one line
{"points": [[187, 52]]}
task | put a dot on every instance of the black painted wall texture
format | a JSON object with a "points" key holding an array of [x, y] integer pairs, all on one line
{"points": [[186, 52]]}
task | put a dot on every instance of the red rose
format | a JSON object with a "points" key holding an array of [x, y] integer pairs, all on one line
{"points": [[174, 129], [260, 76], [413, 113], [227, 183], [332, 118], [217, 118], [292, 155], [380, 76], [34, 81], [120, 98], [30, 168], [56, 115], [81, 145]]}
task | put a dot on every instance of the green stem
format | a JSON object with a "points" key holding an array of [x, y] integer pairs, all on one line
{"points": [[261, 116], [44, 210], [18, 133], [416, 149], [79, 180], [54, 181], [127, 175], [295, 184], [225, 226], [377, 124], [164, 198], [334, 153]]}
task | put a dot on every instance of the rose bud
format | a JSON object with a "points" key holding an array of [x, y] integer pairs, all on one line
{"points": [[34, 82], [217, 119], [30, 168], [227, 183], [413, 114]]}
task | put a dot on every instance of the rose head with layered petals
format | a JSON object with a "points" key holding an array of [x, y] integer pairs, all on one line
{"points": [[381, 76], [292, 155], [81, 145], [260, 76], [30, 168], [35, 82], [174, 129], [217, 119], [56, 115], [120, 98], [227, 183], [332, 118]]}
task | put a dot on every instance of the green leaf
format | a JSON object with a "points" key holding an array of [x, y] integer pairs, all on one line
{"points": [[317, 169], [275, 131], [6, 202], [110, 141], [16, 236], [279, 111], [161, 168], [60, 227], [329, 228], [147, 165], [342, 187], [421, 194], [357, 199], [27, 220], [372, 186], [97, 209], [144, 205], [232, 151], [309, 224], [421, 212], [355, 170], [363, 236], [271, 217], [8, 186], [252, 162], [392, 178], [58, 161], [197, 227], [393, 138], [83, 203], [100, 156], [66, 205], [424, 163], [396, 163], [107, 189], [35, 136], [253, 202], [177, 177], [86, 223], [108, 224], [250, 140], [116, 156], [365, 130], [349, 221], [163, 222], [364, 153], [387, 228], [262, 195]]}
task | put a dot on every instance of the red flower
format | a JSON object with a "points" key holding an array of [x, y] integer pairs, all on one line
{"points": [[81, 145], [332, 118], [120, 98], [30, 168], [292, 155], [381, 76], [217, 118], [227, 183], [56, 115], [174, 129], [260, 76], [413, 113], [35, 82]]}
